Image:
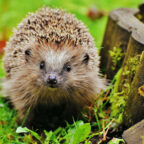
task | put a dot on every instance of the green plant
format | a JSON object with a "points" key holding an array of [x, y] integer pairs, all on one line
{"points": [[72, 134]]}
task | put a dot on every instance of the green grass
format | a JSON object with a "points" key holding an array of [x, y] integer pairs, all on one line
{"points": [[10, 16]]}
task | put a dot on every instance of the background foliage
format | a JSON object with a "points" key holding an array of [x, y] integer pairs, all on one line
{"points": [[12, 12]]}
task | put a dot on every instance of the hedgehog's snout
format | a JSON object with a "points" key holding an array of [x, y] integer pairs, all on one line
{"points": [[52, 80]]}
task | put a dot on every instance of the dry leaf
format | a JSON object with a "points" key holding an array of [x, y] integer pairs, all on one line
{"points": [[141, 90]]}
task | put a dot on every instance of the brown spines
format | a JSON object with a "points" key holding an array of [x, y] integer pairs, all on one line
{"points": [[55, 25], [46, 25], [43, 44]]}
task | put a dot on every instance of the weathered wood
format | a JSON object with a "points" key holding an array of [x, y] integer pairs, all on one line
{"points": [[134, 109], [132, 76], [134, 134], [125, 31], [131, 61], [117, 35]]}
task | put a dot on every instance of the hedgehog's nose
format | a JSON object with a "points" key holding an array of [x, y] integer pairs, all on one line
{"points": [[52, 80]]}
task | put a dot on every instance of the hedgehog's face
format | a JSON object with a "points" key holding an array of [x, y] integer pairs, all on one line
{"points": [[63, 69]]}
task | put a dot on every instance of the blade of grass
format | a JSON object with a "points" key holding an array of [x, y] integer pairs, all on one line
{"points": [[25, 117]]}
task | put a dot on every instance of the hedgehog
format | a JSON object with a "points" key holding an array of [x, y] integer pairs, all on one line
{"points": [[52, 68]]}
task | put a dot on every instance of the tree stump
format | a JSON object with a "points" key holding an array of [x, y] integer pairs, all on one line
{"points": [[125, 32], [118, 31], [134, 109], [134, 135]]}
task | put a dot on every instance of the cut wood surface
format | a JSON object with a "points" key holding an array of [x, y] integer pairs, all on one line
{"points": [[134, 134]]}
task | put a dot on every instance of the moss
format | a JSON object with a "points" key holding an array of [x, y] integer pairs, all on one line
{"points": [[117, 100], [122, 86], [129, 69], [117, 55], [140, 17]]}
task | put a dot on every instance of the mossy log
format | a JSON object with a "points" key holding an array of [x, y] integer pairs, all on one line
{"points": [[132, 75], [118, 31], [134, 109], [125, 31], [132, 59]]}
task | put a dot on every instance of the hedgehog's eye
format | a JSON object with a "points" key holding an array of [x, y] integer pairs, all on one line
{"points": [[67, 67], [42, 65], [86, 58]]}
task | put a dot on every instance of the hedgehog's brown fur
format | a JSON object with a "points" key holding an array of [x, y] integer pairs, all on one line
{"points": [[57, 38]]}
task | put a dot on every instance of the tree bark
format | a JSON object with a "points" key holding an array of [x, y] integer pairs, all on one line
{"points": [[126, 32], [134, 109], [117, 35]]}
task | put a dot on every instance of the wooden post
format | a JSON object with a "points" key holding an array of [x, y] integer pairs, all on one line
{"points": [[132, 76], [126, 32], [117, 35], [134, 109], [131, 61], [134, 134]]}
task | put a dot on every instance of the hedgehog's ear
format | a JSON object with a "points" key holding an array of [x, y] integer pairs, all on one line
{"points": [[27, 54], [86, 59]]}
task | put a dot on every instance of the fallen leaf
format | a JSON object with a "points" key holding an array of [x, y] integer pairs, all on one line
{"points": [[94, 14], [141, 90], [10, 137], [2, 45], [2, 123]]}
